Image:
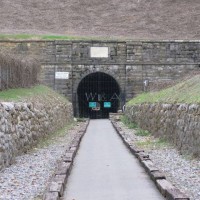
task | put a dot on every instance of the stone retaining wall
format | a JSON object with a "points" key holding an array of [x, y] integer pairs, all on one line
{"points": [[23, 124], [178, 123]]}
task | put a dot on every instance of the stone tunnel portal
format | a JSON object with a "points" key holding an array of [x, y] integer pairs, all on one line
{"points": [[98, 95]]}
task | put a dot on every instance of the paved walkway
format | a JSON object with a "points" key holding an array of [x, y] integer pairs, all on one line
{"points": [[104, 169]]}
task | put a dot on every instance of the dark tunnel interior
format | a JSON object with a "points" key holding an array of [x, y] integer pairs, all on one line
{"points": [[98, 95]]}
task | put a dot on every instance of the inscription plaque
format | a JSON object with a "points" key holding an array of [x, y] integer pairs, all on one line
{"points": [[99, 52], [62, 75]]}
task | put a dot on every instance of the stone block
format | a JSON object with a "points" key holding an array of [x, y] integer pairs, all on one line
{"points": [[175, 194], [80, 133], [75, 143], [135, 150], [68, 157], [128, 141], [121, 133], [149, 166], [142, 156], [51, 196], [60, 179], [56, 187], [73, 150], [63, 168], [155, 175], [164, 185]]}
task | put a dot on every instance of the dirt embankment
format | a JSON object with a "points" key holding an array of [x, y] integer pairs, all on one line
{"points": [[134, 19]]}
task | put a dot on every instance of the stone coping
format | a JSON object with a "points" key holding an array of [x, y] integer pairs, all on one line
{"points": [[126, 41], [166, 188], [56, 187]]}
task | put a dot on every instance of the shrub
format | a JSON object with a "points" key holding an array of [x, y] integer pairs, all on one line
{"points": [[16, 72]]}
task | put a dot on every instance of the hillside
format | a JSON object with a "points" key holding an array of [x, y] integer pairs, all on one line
{"points": [[187, 91], [130, 19]]}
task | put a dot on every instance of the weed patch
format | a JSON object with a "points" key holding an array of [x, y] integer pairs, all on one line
{"points": [[81, 119], [131, 125], [126, 121], [141, 132], [54, 137], [151, 142]]}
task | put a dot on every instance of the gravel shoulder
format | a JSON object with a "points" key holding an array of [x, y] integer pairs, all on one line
{"points": [[182, 171], [29, 176]]}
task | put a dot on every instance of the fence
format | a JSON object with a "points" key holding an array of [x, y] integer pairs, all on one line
{"points": [[15, 72]]}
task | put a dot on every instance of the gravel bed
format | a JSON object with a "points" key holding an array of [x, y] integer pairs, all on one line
{"points": [[182, 172], [28, 177]]}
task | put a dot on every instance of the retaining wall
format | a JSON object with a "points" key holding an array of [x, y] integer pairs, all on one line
{"points": [[23, 124], [178, 123]]}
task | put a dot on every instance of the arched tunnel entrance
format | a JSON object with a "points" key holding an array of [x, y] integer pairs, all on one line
{"points": [[98, 95]]}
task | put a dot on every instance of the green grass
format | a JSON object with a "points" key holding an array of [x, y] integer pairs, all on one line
{"points": [[184, 92], [153, 143], [15, 37], [21, 93], [81, 119], [141, 132], [47, 37], [126, 121], [148, 142], [131, 125], [54, 137], [37, 37]]}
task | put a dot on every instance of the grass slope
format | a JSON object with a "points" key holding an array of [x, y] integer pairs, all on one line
{"points": [[187, 91], [24, 93], [44, 37], [134, 19]]}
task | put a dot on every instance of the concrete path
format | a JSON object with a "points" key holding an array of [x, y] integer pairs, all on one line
{"points": [[104, 169]]}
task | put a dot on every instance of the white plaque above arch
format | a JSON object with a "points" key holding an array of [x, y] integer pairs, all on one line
{"points": [[99, 52], [62, 75]]}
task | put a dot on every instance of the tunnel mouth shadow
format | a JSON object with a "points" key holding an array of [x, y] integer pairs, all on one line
{"points": [[98, 95]]}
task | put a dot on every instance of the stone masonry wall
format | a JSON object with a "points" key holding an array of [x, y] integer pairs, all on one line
{"points": [[179, 123], [130, 63], [23, 124]]}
